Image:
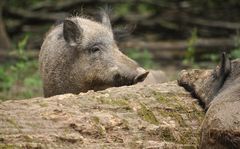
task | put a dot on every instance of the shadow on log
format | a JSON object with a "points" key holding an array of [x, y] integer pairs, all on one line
{"points": [[161, 116]]}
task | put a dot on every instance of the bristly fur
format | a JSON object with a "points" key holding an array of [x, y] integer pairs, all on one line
{"points": [[227, 138], [219, 90], [105, 10]]}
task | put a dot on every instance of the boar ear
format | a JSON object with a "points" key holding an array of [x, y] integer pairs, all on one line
{"points": [[105, 18], [72, 33], [225, 66]]}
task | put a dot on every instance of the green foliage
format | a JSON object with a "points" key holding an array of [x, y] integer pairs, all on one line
{"points": [[235, 53], [20, 79], [214, 57], [145, 9], [122, 9], [144, 58], [6, 81], [21, 46], [189, 58]]}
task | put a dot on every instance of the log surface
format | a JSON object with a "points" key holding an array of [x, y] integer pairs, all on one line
{"points": [[140, 116]]}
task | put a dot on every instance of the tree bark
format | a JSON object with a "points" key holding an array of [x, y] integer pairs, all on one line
{"points": [[152, 116], [4, 39]]}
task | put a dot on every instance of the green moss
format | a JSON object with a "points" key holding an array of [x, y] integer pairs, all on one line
{"points": [[179, 119], [28, 138], [196, 114], [99, 127], [95, 119], [167, 135], [177, 107], [187, 135], [120, 102], [174, 115], [174, 105], [115, 102], [43, 104], [13, 122], [125, 124], [164, 98], [101, 130], [161, 98], [147, 115], [8, 146], [33, 125]]}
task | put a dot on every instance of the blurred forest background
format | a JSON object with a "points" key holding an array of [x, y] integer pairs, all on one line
{"points": [[167, 35]]}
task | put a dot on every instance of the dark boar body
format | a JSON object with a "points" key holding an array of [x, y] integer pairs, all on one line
{"points": [[219, 91]]}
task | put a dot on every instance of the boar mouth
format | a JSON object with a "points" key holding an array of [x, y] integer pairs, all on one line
{"points": [[117, 81], [140, 77], [120, 80]]}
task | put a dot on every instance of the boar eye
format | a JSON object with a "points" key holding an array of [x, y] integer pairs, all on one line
{"points": [[95, 49]]}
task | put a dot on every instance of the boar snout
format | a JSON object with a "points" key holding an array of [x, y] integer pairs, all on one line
{"points": [[140, 77]]}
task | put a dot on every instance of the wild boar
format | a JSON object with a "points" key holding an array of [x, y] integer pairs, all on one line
{"points": [[81, 54], [219, 91]]}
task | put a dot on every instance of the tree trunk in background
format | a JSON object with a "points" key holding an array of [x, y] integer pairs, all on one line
{"points": [[4, 39]]}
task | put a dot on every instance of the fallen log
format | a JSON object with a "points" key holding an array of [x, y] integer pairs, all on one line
{"points": [[152, 116]]}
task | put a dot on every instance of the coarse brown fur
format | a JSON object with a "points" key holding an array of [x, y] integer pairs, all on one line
{"points": [[219, 90], [80, 55]]}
